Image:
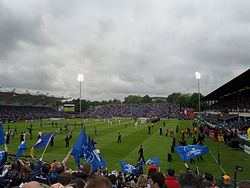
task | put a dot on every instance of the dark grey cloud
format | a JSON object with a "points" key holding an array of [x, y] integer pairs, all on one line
{"points": [[19, 27], [122, 47]]}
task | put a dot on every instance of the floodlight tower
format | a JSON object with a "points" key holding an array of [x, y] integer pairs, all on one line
{"points": [[80, 78], [198, 77]]}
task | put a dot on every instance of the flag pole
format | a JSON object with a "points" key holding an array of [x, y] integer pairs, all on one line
{"points": [[46, 146], [186, 165], [197, 169]]}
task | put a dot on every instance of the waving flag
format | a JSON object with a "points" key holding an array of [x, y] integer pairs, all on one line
{"points": [[41, 143], [3, 159], [190, 151], [103, 163], [154, 160], [137, 168], [92, 156], [79, 147], [21, 149], [127, 168], [197, 171], [2, 141]]}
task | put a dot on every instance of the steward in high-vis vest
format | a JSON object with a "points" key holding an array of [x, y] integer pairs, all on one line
{"points": [[226, 179], [183, 132]]}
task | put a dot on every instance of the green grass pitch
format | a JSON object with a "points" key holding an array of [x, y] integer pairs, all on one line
{"points": [[127, 151]]}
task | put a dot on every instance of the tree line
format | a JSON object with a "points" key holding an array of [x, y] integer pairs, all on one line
{"points": [[185, 100]]}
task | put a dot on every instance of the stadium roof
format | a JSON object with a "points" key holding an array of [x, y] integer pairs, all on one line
{"points": [[238, 84], [14, 98]]}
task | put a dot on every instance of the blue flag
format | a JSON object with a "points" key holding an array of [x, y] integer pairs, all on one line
{"points": [[79, 147], [3, 159], [127, 168], [92, 156], [190, 151], [1, 154], [2, 141], [154, 160], [103, 163], [41, 143], [21, 149], [137, 168]]}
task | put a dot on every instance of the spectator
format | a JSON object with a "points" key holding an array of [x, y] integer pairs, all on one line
{"points": [[142, 181], [243, 185], [65, 178], [157, 180], [43, 176], [34, 184], [171, 181], [206, 184], [190, 180], [12, 174], [113, 179], [23, 175], [78, 183], [97, 181], [210, 178]]}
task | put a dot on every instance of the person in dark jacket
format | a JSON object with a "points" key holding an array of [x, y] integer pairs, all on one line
{"points": [[43, 175], [141, 152]]}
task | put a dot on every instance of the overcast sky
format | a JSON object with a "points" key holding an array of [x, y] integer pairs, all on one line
{"points": [[122, 47]]}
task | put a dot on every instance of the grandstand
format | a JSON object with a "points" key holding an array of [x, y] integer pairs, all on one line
{"points": [[162, 110], [228, 107], [232, 97], [13, 98], [27, 106]]}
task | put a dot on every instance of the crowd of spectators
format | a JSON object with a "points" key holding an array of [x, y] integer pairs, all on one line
{"points": [[57, 175], [165, 110], [243, 107], [27, 113], [22, 113], [238, 124]]}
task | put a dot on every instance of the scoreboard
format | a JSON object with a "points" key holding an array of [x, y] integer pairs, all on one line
{"points": [[69, 108]]}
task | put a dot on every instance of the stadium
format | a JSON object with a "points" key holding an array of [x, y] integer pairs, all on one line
{"points": [[124, 94], [224, 123]]}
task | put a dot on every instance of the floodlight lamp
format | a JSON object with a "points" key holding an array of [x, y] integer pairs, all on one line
{"points": [[197, 75], [80, 77]]}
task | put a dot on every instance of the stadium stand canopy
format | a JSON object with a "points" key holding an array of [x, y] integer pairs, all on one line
{"points": [[14, 98], [239, 84]]}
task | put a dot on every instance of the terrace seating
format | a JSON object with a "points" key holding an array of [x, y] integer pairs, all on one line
{"points": [[133, 111]]}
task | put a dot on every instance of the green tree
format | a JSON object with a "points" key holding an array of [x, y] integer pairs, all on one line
{"points": [[183, 100], [146, 99], [103, 102], [172, 98], [132, 99], [194, 102], [116, 101]]}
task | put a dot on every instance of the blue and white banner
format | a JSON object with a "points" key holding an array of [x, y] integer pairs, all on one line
{"points": [[79, 147], [21, 149], [137, 168], [188, 152], [2, 141], [92, 156], [154, 160], [127, 168]]}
